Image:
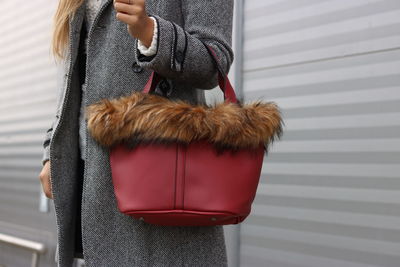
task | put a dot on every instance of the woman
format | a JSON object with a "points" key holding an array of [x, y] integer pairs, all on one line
{"points": [[120, 56]]}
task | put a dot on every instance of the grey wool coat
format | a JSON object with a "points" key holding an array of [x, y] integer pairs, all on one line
{"points": [[116, 68]]}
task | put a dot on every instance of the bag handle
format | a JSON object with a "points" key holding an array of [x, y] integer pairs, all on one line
{"points": [[223, 80]]}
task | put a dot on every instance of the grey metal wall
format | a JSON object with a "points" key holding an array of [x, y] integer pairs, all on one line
{"points": [[27, 102], [330, 190]]}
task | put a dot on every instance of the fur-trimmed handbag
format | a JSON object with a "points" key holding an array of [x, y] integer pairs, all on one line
{"points": [[175, 163]]}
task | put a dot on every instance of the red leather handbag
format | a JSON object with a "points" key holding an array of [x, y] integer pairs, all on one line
{"points": [[175, 163]]}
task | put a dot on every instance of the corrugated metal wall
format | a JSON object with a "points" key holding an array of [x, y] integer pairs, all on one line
{"points": [[27, 104], [330, 189]]}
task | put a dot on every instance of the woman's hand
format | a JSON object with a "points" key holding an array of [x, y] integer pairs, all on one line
{"points": [[45, 179], [133, 13]]}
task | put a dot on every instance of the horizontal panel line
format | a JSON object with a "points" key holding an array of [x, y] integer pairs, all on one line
{"points": [[380, 259], [345, 133], [363, 157], [340, 99], [254, 9], [356, 207], [344, 242], [344, 121], [354, 194], [356, 84], [295, 257], [387, 235], [361, 182], [321, 60], [361, 145], [343, 109], [254, 261], [272, 46], [372, 221]]}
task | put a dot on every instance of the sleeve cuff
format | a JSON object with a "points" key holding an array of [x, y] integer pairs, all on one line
{"points": [[183, 56], [167, 41], [46, 154]]}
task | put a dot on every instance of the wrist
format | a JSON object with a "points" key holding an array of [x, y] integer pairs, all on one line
{"points": [[147, 34]]}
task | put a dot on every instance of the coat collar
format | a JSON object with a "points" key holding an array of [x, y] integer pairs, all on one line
{"points": [[76, 25]]}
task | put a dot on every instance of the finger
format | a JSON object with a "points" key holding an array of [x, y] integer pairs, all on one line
{"points": [[127, 9], [45, 180], [46, 190], [132, 2], [124, 1], [49, 193], [128, 19], [42, 177]]}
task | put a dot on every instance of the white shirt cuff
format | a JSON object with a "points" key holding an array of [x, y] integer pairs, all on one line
{"points": [[153, 47]]}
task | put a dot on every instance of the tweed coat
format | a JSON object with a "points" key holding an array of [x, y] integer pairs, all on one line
{"points": [[116, 68]]}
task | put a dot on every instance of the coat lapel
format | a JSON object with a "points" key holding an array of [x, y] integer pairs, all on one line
{"points": [[76, 24]]}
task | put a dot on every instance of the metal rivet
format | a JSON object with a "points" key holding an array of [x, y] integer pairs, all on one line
{"points": [[213, 219], [136, 68]]}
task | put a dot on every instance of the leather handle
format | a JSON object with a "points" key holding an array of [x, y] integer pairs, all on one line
{"points": [[223, 80], [151, 84]]}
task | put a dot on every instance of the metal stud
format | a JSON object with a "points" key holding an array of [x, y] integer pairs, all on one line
{"points": [[136, 68]]}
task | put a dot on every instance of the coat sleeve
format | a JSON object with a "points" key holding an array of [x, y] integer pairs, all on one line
{"points": [[61, 82], [46, 140], [181, 53]]}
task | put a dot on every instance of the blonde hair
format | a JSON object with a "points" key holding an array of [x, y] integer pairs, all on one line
{"points": [[60, 31]]}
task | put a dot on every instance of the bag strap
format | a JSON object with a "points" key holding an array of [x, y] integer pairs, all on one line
{"points": [[151, 84], [223, 80]]}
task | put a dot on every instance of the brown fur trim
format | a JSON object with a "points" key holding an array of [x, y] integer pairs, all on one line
{"points": [[154, 118]]}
